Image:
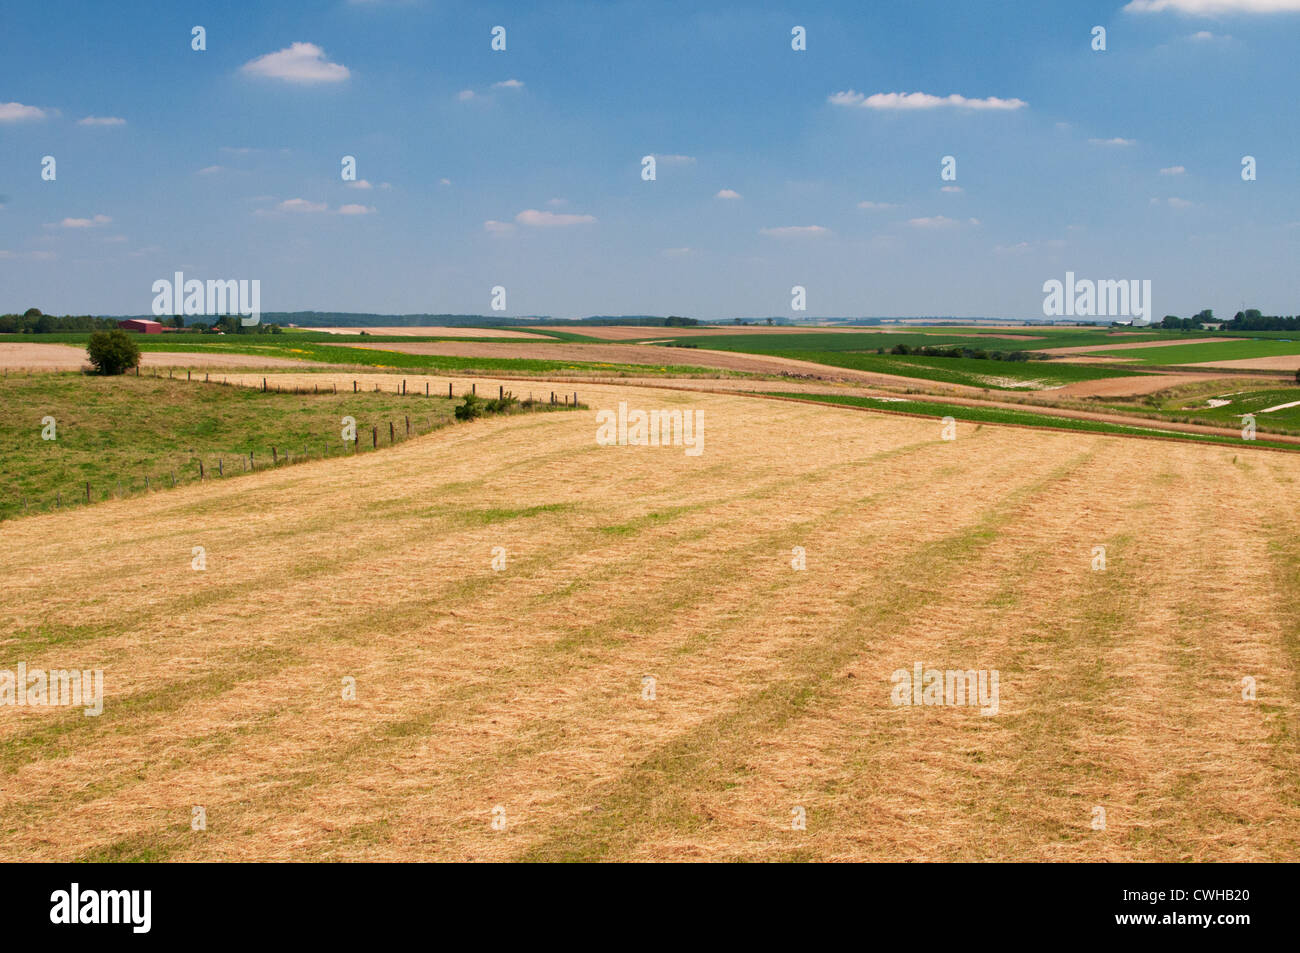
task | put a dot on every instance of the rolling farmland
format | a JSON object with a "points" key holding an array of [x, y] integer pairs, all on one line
{"points": [[520, 692]]}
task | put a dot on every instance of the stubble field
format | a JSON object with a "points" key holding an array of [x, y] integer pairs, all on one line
{"points": [[518, 695]]}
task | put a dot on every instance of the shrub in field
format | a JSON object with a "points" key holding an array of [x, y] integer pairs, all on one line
{"points": [[112, 352], [471, 409]]}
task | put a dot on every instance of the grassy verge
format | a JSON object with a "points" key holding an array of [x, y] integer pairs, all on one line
{"points": [[116, 433], [1029, 418]]}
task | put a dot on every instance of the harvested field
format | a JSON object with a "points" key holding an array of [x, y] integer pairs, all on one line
{"points": [[66, 357], [1130, 386], [650, 355], [1279, 362], [430, 331], [523, 689], [624, 332]]}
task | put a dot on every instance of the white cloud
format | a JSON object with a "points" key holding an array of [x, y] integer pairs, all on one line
{"points": [[101, 121], [238, 150], [1117, 141], [727, 194], [211, 170], [360, 184], [795, 231], [533, 217], [356, 210], [298, 63], [921, 101], [1173, 202], [440, 182], [1213, 7], [465, 95], [498, 228], [871, 206], [509, 84], [85, 222], [301, 205], [557, 202], [17, 112], [939, 221], [674, 160], [1173, 170]]}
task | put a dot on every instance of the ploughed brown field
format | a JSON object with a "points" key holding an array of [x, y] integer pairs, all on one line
{"points": [[518, 695]]}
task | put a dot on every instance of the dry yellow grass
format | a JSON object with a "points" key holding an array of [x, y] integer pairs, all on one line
{"points": [[522, 688]]}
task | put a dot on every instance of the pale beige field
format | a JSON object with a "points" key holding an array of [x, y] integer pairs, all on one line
{"points": [[429, 331], [65, 357], [522, 689]]}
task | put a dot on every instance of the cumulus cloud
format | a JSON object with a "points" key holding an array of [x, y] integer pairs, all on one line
{"points": [[298, 63], [509, 84], [1117, 141], [795, 231], [498, 228], [360, 184], [85, 222], [1213, 7], [727, 194], [534, 217], [465, 95], [939, 221], [301, 205], [101, 121], [921, 101], [1173, 170], [17, 112], [211, 170], [356, 209]]}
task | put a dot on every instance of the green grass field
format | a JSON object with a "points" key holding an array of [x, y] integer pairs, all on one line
{"points": [[1249, 402], [1029, 418], [111, 430]]}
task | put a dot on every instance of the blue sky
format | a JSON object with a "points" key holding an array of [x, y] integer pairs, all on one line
{"points": [[522, 168]]}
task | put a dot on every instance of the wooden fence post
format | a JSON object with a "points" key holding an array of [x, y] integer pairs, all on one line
{"points": [[354, 387], [473, 388], [87, 491], [374, 438], [221, 469], [501, 391], [252, 464], [275, 457], [390, 431], [408, 426], [426, 388], [173, 478], [403, 386], [263, 385], [201, 471], [449, 393]]}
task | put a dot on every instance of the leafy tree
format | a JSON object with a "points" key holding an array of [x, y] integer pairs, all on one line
{"points": [[112, 352]]}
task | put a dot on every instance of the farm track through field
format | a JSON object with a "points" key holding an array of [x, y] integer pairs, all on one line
{"points": [[522, 688]]}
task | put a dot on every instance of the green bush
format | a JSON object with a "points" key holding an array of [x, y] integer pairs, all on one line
{"points": [[112, 352]]}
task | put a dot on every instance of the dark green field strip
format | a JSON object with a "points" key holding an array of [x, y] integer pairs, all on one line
{"points": [[1023, 418]]}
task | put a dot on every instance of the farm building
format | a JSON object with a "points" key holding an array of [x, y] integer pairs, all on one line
{"points": [[143, 325]]}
